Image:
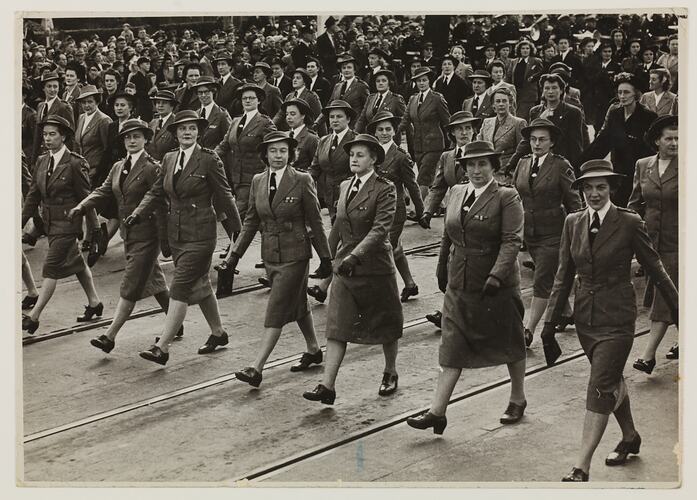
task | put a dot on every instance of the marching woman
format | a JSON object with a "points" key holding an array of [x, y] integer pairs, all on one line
{"points": [[543, 180], [298, 118], [127, 183], [655, 198], [364, 306], [189, 179], [478, 272], [597, 247], [61, 180], [397, 168], [282, 205], [383, 99]]}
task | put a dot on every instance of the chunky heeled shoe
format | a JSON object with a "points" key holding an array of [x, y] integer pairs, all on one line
{"points": [[249, 375], [645, 366], [575, 476], [156, 355], [260, 265], [514, 412], [427, 420], [317, 293], [29, 324], [528, 337], [673, 352], [436, 318], [321, 393], [104, 343], [91, 312], [306, 360], [407, 292], [622, 451], [389, 384], [29, 302], [213, 342]]}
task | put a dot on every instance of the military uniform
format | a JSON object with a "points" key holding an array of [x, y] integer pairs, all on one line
{"points": [[92, 142], [58, 107], [394, 103], [356, 95], [218, 124], [163, 140], [306, 149], [330, 167], [448, 173]]}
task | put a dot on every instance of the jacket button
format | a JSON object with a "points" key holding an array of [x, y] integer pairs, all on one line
{"points": [[592, 292]]}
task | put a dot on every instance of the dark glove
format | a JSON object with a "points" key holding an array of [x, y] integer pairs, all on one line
{"points": [[348, 266], [165, 249], [491, 286], [324, 270], [425, 220], [442, 276], [132, 220], [94, 253], [75, 212], [550, 344], [229, 264]]}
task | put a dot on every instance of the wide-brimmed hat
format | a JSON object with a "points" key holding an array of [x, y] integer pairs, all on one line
{"points": [[165, 95], [344, 58], [51, 75], [223, 55], [122, 93], [339, 104], [306, 76], [479, 149], [188, 115], [656, 128], [462, 117], [276, 136], [560, 65], [384, 72], [136, 124], [481, 74], [206, 81], [554, 131], [595, 168], [60, 122], [261, 94], [264, 67], [378, 52], [382, 116], [87, 91], [422, 71], [302, 105], [369, 141]]}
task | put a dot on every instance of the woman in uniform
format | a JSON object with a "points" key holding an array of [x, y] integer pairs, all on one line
{"points": [[298, 118], [126, 184], [655, 198], [597, 248], [383, 99], [282, 205], [364, 307], [543, 181], [61, 180], [189, 179], [478, 272]]}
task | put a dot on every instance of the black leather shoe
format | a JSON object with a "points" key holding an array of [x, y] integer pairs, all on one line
{"points": [[317, 293], [389, 384], [223, 254], [104, 343], [91, 312], [265, 281], [529, 264], [29, 324], [306, 360], [645, 366], [156, 355], [259, 265], [575, 476], [29, 239], [224, 286], [213, 342], [321, 393], [180, 332], [103, 242], [673, 353], [29, 302], [564, 321], [622, 451], [249, 375], [409, 292], [513, 413], [436, 318], [427, 420], [528, 337]]}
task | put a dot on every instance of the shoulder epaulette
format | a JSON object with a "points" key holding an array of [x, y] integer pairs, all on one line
{"points": [[173, 150], [207, 150], [527, 155], [383, 179], [577, 210], [77, 155], [625, 209]]}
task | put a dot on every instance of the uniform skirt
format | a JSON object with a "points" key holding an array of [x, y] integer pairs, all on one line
{"points": [[545, 255], [192, 262], [63, 258], [364, 310], [426, 163], [659, 309], [607, 348], [288, 299], [479, 332], [395, 235], [143, 276]]}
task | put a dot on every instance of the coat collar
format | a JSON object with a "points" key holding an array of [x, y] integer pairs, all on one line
{"points": [[480, 202], [607, 228], [135, 169], [363, 194], [58, 169], [288, 182]]}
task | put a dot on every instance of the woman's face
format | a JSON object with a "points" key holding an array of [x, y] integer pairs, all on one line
{"points": [[293, 116], [540, 141], [647, 56], [463, 133], [348, 70], [457, 53], [634, 48], [187, 133], [205, 95], [384, 131], [480, 171], [70, 78], [89, 105], [497, 74], [250, 101], [361, 159], [501, 104], [163, 107], [338, 120], [597, 192], [668, 143], [122, 108], [382, 83], [422, 83], [298, 81], [192, 76], [373, 60], [277, 154], [524, 50], [626, 94], [134, 141], [655, 82], [490, 52], [53, 137]]}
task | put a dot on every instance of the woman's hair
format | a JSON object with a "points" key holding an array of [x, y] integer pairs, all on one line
{"points": [[664, 74], [265, 156]]}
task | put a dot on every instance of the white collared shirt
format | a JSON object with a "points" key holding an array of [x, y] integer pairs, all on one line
{"points": [[340, 135], [376, 69], [658, 96], [279, 175], [349, 82], [387, 146], [363, 178], [564, 54], [425, 94], [209, 109], [601, 213], [224, 79], [477, 191], [58, 156], [135, 157], [88, 119], [540, 159], [165, 118], [250, 115], [662, 166], [299, 91], [297, 131], [313, 80], [49, 104], [187, 155]]}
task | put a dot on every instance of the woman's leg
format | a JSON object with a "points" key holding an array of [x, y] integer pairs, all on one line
{"points": [[623, 415], [447, 378], [271, 336], [124, 308], [594, 426], [209, 308], [658, 330], [537, 309], [307, 327], [335, 355], [87, 283], [402, 265], [162, 298], [390, 351], [28, 278], [47, 288], [173, 321], [517, 373]]}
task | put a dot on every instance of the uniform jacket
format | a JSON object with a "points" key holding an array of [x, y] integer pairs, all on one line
{"points": [[355, 96], [188, 99], [191, 216], [656, 200], [528, 89], [285, 85], [225, 98], [68, 185], [665, 103], [323, 89], [115, 151], [71, 98], [239, 152], [308, 141], [139, 181], [448, 173], [454, 93], [392, 102], [485, 110], [507, 136], [92, 143], [362, 227], [284, 222], [605, 294], [551, 197], [58, 107], [331, 166], [162, 141], [272, 102], [306, 95], [218, 123], [398, 169], [428, 120], [484, 241]]}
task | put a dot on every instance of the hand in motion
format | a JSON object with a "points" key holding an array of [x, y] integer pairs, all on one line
{"points": [[491, 286], [425, 220], [229, 264], [442, 276], [550, 344], [348, 266], [132, 220], [324, 270], [75, 212], [165, 249]]}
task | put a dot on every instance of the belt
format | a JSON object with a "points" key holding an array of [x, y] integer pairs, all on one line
{"points": [[200, 202], [475, 251]]}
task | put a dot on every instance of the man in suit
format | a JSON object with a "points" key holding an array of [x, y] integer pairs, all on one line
{"points": [[225, 96], [382, 100], [302, 51], [143, 85], [351, 89], [480, 103], [52, 105], [454, 89], [326, 46], [279, 79], [273, 100], [660, 100], [218, 118], [162, 140], [526, 71], [318, 84]]}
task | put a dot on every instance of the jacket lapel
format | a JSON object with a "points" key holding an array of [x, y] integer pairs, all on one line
{"points": [[545, 168], [80, 126], [164, 126], [135, 170], [191, 165], [389, 158], [252, 124], [58, 169], [287, 183], [607, 228], [582, 227], [671, 171], [481, 201], [427, 102], [503, 129], [363, 194], [652, 171]]}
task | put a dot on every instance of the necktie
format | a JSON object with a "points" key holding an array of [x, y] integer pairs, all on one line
{"points": [[595, 227], [243, 121], [534, 171], [275, 82], [468, 202], [354, 190], [51, 164], [335, 142], [125, 171], [421, 98], [292, 134], [178, 169], [272, 187], [343, 89], [378, 102], [475, 105], [160, 123], [295, 94], [203, 113], [519, 73], [458, 153]]}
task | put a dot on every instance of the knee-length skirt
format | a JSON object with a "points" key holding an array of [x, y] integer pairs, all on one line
{"points": [[659, 309], [143, 276], [364, 310], [192, 263], [63, 258], [481, 331], [288, 298], [545, 255]]}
